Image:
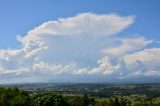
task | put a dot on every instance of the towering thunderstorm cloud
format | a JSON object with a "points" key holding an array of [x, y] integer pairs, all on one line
{"points": [[82, 48]]}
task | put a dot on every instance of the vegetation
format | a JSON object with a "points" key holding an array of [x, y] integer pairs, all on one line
{"points": [[11, 96], [14, 97]]}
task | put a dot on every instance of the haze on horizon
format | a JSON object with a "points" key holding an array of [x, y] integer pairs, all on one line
{"points": [[82, 41]]}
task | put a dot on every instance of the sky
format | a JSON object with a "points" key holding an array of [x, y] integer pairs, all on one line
{"points": [[79, 41]]}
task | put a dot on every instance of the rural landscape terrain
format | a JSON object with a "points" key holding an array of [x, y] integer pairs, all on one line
{"points": [[80, 94]]}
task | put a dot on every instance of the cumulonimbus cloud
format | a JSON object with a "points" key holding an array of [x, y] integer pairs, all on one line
{"points": [[82, 45]]}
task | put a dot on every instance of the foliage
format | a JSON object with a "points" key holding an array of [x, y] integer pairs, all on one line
{"points": [[16, 97], [50, 99]]}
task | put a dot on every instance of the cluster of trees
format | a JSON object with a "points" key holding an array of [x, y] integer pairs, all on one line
{"points": [[16, 97]]}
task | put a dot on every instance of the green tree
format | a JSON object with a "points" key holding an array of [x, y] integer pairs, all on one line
{"points": [[50, 100], [78, 101], [86, 100], [92, 102], [116, 102]]}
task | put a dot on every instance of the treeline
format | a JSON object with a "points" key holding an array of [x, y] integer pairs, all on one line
{"points": [[16, 97]]}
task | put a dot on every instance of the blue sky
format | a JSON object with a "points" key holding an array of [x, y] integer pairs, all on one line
{"points": [[61, 40], [17, 17]]}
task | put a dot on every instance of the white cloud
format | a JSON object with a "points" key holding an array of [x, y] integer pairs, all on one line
{"points": [[127, 45], [144, 63], [70, 47], [86, 24], [149, 57], [53, 68], [104, 67]]}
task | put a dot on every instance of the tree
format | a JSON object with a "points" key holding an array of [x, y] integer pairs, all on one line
{"points": [[116, 102], [50, 100], [14, 97], [86, 100], [92, 102], [78, 101]]}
